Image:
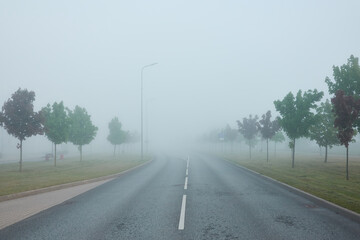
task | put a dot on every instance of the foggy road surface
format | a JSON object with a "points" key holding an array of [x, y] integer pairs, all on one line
{"points": [[173, 198]]}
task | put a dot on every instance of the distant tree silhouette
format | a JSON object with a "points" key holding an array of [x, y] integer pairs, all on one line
{"points": [[248, 128], [267, 129]]}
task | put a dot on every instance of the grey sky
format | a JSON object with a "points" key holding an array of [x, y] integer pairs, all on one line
{"points": [[218, 60]]}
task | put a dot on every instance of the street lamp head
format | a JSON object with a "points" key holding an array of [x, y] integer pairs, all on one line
{"points": [[150, 65]]}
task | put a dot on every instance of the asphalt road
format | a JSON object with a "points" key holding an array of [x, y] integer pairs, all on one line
{"points": [[217, 201]]}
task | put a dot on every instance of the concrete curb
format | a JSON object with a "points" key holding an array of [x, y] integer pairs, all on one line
{"points": [[67, 185], [319, 201]]}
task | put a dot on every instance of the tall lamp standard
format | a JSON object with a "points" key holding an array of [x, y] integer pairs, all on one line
{"points": [[142, 116]]}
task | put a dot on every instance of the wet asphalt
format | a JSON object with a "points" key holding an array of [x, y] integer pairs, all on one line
{"points": [[223, 201]]}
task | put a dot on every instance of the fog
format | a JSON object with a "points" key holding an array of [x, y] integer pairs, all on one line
{"points": [[218, 61]]}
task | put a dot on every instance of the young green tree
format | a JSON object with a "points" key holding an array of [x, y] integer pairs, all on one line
{"points": [[19, 119], [267, 129], [116, 135], [323, 131], [278, 138], [296, 116], [346, 78], [81, 131], [248, 128], [56, 124], [346, 109]]}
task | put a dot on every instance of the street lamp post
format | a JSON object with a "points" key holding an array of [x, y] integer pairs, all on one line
{"points": [[142, 116]]}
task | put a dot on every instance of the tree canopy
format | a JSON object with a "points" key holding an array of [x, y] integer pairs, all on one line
{"points": [[81, 131], [56, 124], [248, 128], [346, 109], [19, 119], [267, 129], [346, 78], [323, 131], [296, 116], [116, 135]]}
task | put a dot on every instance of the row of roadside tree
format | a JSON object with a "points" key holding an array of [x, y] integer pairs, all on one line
{"points": [[332, 122], [59, 123]]}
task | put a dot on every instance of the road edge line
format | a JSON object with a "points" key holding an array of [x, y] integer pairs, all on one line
{"points": [[319, 201]]}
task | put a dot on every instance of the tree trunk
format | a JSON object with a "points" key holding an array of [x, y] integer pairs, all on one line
{"points": [[114, 150], [267, 150], [55, 155], [250, 148], [275, 149], [347, 163], [326, 153], [20, 163], [293, 155], [80, 148]]}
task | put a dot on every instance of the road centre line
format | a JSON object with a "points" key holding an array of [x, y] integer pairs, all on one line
{"points": [[182, 213], [186, 183], [187, 171]]}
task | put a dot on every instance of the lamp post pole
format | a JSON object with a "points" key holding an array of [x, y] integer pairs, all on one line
{"points": [[142, 115]]}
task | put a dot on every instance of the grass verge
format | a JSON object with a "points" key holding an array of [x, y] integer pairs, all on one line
{"points": [[37, 175], [312, 175]]}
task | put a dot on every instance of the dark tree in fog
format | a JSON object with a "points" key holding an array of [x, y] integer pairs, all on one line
{"points": [[323, 131], [56, 124], [346, 109], [19, 119], [347, 79], [116, 135], [267, 129], [82, 131], [230, 135], [248, 128], [296, 116]]}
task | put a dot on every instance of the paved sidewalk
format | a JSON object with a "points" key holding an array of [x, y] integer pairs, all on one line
{"points": [[15, 210]]}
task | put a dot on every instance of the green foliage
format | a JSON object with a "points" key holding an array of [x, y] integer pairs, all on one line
{"points": [[323, 131], [278, 137], [57, 123], [296, 115], [18, 116], [346, 78], [82, 131], [267, 127], [117, 135], [19, 119]]}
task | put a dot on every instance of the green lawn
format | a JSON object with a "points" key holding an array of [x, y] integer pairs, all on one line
{"points": [[37, 175], [311, 174]]}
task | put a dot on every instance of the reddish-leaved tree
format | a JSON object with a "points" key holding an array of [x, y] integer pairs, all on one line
{"points": [[346, 109]]}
